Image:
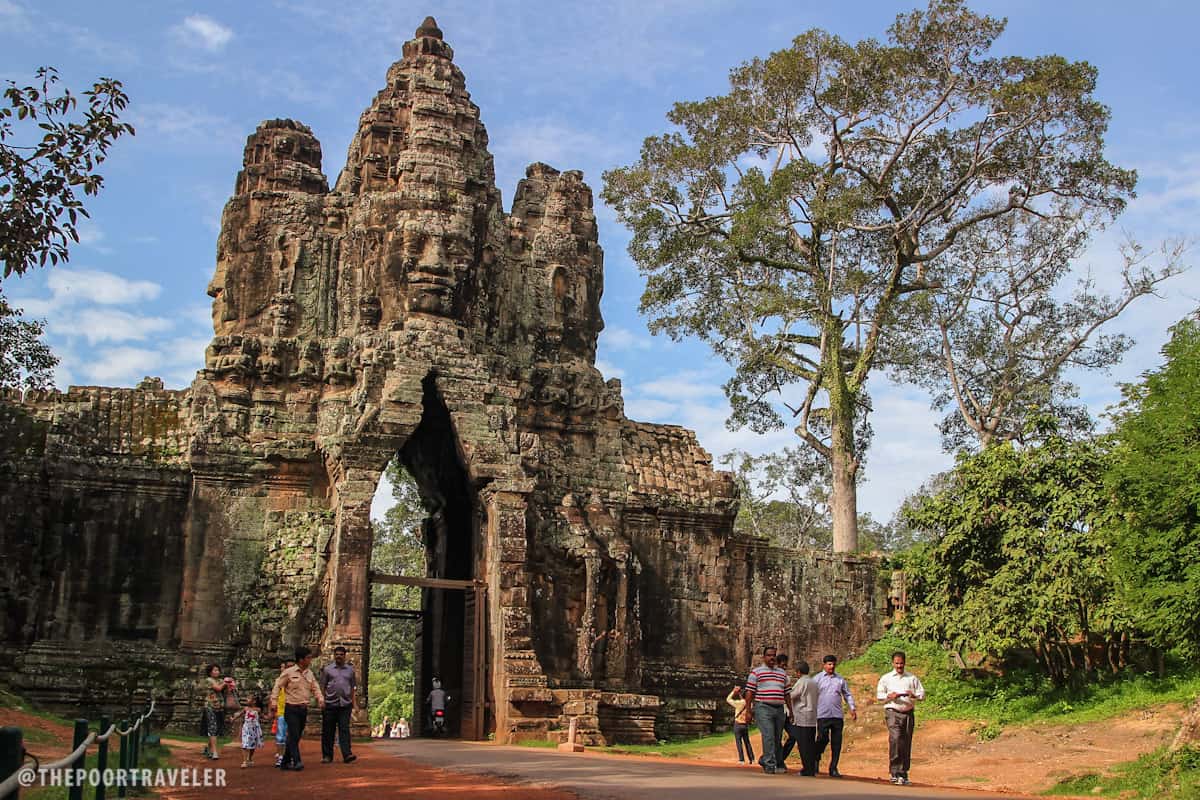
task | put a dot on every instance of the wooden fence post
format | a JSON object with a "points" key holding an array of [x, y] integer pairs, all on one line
{"points": [[102, 757], [124, 762], [75, 792]]}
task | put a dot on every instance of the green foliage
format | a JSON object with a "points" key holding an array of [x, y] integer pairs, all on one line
{"points": [[1018, 559], [994, 699], [25, 360], [397, 550], [41, 172], [796, 222], [391, 695], [1155, 481], [1160, 773]]}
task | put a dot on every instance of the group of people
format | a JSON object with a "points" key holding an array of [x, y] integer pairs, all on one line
{"points": [[294, 691], [811, 712], [392, 730]]}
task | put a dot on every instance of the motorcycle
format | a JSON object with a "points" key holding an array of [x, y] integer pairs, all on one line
{"points": [[439, 722]]}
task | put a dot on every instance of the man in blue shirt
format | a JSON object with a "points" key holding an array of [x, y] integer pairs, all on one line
{"points": [[832, 689]]}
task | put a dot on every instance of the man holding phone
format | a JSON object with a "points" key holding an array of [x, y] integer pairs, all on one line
{"points": [[900, 690]]}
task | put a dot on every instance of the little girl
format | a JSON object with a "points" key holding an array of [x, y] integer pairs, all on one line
{"points": [[252, 736]]}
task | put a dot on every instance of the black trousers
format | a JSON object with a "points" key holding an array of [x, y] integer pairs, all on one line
{"points": [[741, 735], [295, 716], [335, 720], [829, 732], [804, 739]]}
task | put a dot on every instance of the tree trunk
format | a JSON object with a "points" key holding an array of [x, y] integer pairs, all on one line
{"points": [[843, 499]]}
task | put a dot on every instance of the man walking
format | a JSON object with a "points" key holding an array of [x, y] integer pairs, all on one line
{"points": [[832, 690], [299, 688], [787, 740], [901, 690], [338, 684], [766, 689], [803, 699]]}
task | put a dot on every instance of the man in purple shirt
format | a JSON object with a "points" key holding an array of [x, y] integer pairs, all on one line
{"points": [[338, 683], [832, 689]]}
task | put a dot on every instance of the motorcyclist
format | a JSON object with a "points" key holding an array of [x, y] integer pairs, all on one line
{"points": [[436, 701]]}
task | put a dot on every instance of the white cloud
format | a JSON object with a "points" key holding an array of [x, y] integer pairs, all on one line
{"points": [[619, 338], [119, 366], [609, 370], [187, 126], [202, 32], [906, 450], [14, 16], [683, 386], [81, 286], [108, 325], [174, 360]]}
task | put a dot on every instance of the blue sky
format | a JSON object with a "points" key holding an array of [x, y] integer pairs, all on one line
{"points": [[575, 84]]}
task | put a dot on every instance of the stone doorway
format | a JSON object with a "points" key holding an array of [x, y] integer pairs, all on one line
{"points": [[450, 642]]}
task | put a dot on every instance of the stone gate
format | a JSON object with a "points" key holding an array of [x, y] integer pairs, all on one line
{"points": [[402, 313]]}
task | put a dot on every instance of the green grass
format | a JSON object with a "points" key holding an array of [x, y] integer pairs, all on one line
{"points": [[681, 748], [153, 757], [1154, 775], [536, 743], [1023, 697]]}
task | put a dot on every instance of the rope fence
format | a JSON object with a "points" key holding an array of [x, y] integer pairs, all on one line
{"points": [[23, 769]]}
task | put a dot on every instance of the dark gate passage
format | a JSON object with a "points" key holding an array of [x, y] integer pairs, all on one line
{"points": [[450, 638], [468, 709]]}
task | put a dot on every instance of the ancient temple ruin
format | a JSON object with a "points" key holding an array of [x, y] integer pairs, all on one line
{"points": [[581, 564]]}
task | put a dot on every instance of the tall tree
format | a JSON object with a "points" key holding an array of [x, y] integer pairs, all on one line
{"points": [[45, 156], [1002, 333], [1155, 480], [26, 361], [788, 221]]}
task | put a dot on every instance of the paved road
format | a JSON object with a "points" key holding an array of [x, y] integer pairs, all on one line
{"points": [[601, 777]]}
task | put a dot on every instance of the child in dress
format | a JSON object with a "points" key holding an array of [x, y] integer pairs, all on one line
{"points": [[252, 735]]}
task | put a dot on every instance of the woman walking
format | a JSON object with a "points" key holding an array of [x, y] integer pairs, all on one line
{"points": [[741, 725], [213, 721]]}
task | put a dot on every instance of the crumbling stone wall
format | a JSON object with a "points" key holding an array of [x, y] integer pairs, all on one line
{"points": [[402, 312]]}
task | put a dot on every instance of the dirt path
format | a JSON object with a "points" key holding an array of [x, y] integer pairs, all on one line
{"points": [[1023, 759], [373, 775], [1027, 758]]}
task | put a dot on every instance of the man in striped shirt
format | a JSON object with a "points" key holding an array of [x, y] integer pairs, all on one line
{"points": [[765, 692]]}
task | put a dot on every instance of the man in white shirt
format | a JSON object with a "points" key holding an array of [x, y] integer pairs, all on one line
{"points": [[901, 690]]}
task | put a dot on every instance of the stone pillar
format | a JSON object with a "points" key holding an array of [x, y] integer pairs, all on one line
{"points": [[585, 644], [348, 603], [618, 642], [516, 673]]}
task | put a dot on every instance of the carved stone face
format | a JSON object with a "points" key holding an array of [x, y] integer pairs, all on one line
{"points": [[223, 308], [437, 259]]}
